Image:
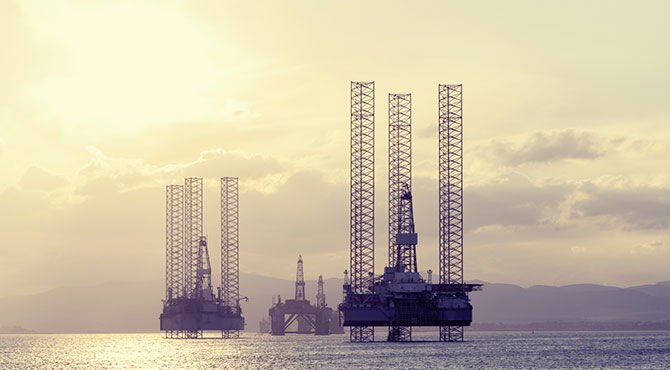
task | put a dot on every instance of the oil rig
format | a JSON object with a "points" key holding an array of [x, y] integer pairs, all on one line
{"points": [[190, 306], [316, 319], [400, 298]]}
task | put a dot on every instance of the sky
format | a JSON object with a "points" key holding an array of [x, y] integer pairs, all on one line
{"points": [[103, 104]]}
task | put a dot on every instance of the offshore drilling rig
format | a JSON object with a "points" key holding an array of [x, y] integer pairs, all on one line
{"points": [[311, 319], [190, 306], [401, 298]]}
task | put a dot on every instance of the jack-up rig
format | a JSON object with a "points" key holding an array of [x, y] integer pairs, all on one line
{"points": [[190, 307], [319, 319], [400, 298]]}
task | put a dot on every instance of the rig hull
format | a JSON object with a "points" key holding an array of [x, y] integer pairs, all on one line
{"points": [[405, 299], [195, 315], [377, 316]]}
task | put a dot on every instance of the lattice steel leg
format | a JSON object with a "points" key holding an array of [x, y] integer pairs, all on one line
{"points": [[361, 334], [451, 333]]}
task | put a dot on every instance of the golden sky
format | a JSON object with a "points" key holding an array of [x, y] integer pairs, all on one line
{"points": [[103, 103]]}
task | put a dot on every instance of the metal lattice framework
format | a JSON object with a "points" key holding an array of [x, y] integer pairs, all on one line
{"points": [[299, 281], [320, 294], [362, 220], [406, 245], [205, 269], [192, 232], [230, 242], [400, 162], [230, 248], [450, 99], [174, 238], [400, 178]]}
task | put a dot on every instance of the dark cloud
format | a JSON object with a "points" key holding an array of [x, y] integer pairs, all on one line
{"points": [[550, 146], [305, 214], [638, 208], [512, 201]]}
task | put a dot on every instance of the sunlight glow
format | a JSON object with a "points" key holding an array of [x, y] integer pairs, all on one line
{"points": [[128, 64]]}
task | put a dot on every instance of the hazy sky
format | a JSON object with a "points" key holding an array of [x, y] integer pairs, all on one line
{"points": [[104, 103]]}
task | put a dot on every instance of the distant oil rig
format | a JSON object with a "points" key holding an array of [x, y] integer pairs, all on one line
{"points": [[316, 319], [400, 298], [190, 306]]}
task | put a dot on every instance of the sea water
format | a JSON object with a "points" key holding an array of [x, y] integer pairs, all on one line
{"points": [[480, 350]]}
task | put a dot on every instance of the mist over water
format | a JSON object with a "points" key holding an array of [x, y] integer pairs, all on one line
{"points": [[483, 349]]}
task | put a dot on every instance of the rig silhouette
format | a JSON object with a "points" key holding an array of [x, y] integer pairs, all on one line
{"points": [[190, 306], [400, 298], [316, 319]]}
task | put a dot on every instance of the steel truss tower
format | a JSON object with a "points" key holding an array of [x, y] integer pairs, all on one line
{"points": [[299, 281], [362, 219], [400, 162], [320, 295], [406, 238], [400, 179], [230, 248], [192, 233], [174, 237], [450, 99]]}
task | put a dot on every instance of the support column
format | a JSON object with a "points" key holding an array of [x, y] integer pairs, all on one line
{"points": [[361, 251], [450, 99]]}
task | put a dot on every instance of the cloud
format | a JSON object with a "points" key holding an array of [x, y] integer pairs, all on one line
{"points": [[235, 110], [36, 178], [257, 170], [578, 250], [654, 247], [219, 162], [637, 208], [513, 200], [548, 146]]}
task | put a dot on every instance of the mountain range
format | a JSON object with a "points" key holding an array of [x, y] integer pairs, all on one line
{"points": [[134, 306]]}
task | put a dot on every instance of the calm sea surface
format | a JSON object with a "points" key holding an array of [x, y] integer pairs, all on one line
{"points": [[482, 350]]}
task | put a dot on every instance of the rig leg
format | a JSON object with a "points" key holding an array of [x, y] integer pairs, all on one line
{"points": [[451, 334], [230, 334], [400, 334], [358, 334]]}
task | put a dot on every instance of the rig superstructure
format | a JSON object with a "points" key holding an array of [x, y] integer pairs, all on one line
{"points": [[316, 319], [190, 306], [401, 298]]}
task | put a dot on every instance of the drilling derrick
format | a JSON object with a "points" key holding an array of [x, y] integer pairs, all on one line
{"points": [[406, 239], [304, 325], [400, 181], [309, 318], [204, 281], [451, 194], [320, 295], [190, 306], [362, 218], [401, 298], [400, 162], [299, 282]]}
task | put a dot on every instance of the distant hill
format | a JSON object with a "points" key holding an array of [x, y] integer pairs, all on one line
{"points": [[119, 306], [505, 303], [15, 330], [135, 306]]}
